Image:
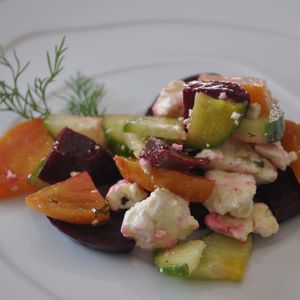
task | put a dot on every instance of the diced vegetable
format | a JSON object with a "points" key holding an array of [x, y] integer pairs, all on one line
{"points": [[181, 260], [256, 87], [21, 149], [291, 142], [74, 152], [262, 130], [159, 154], [224, 258], [190, 187], [282, 196], [135, 143], [162, 127], [75, 200], [105, 237], [88, 126], [115, 137], [213, 121], [214, 89]]}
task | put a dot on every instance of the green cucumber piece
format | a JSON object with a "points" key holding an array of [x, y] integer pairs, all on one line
{"points": [[213, 121], [224, 258], [88, 126], [115, 137], [34, 179], [162, 127], [135, 143], [181, 260], [262, 130]]}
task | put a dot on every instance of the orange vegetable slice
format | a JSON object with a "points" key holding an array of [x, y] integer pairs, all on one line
{"points": [[256, 87], [190, 187], [21, 149], [291, 142], [75, 200]]}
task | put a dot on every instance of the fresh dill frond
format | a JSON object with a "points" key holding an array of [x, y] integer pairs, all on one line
{"points": [[83, 96], [33, 101]]}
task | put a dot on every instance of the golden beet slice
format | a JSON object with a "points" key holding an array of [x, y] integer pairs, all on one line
{"points": [[190, 187], [75, 200], [291, 142], [21, 149]]}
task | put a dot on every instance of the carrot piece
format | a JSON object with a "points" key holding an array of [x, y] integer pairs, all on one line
{"points": [[291, 142], [75, 200], [190, 187], [21, 149], [257, 89]]}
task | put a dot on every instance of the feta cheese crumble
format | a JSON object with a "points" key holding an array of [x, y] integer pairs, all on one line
{"points": [[264, 222], [276, 154], [170, 100], [237, 156], [124, 194], [261, 222], [235, 116], [233, 193], [159, 221]]}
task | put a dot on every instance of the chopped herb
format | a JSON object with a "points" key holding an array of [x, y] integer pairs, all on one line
{"points": [[260, 163], [251, 135], [101, 211]]}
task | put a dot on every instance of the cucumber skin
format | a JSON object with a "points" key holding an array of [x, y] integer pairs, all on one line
{"points": [[275, 130], [167, 260], [265, 132], [34, 176], [175, 271], [113, 131]]}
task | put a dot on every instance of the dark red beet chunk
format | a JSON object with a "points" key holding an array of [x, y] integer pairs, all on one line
{"points": [[213, 89], [104, 237], [159, 154], [198, 211], [75, 152], [282, 196]]}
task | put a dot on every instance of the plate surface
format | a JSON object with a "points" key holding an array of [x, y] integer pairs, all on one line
{"points": [[135, 47]]}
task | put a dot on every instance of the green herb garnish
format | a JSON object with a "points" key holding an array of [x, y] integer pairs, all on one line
{"points": [[84, 96], [32, 102]]}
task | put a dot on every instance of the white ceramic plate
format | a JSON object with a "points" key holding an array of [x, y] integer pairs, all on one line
{"points": [[134, 51]]}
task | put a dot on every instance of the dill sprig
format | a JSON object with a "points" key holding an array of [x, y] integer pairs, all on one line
{"points": [[83, 96], [33, 102]]}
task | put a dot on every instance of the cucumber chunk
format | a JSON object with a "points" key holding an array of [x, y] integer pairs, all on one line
{"points": [[213, 121], [88, 126], [115, 137], [162, 127], [223, 259], [134, 143], [34, 179], [262, 130], [180, 260]]}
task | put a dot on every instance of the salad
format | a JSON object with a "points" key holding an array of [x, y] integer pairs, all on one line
{"points": [[212, 152]]}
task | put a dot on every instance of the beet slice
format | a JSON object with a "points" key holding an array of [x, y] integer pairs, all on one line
{"points": [[74, 152], [282, 196], [104, 237], [214, 89], [159, 154]]}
